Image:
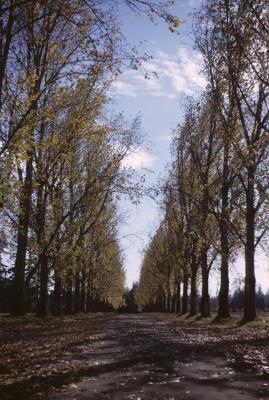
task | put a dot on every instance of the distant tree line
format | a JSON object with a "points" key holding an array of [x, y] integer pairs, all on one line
{"points": [[236, 303], [215, 198], [130, 305]]}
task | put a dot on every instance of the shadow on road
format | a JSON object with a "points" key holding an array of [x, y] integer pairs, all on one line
{"points": [[140, 357]]}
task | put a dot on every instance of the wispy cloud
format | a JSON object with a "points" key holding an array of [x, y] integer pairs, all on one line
{"points": [[179, 74], [165, 138], [125, 88], [138, 160], [183, 71], [194, 3]]}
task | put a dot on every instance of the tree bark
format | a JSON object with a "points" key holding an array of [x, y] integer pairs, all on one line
{"points": [[57, 309], [69, 295], [223, 311], [18, 292], [250, 282], [43, 307], [168, 303], [5, 32], [178, 298], [205, 311], [83, 292], [89, 297], [77, 293], [193, 294], [165, 303], [185, 294], [173, 309], [43, 303], [162, 303]]}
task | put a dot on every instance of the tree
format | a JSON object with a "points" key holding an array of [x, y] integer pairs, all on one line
{"points": [[239, 50], [260, 301], [52, 54]]}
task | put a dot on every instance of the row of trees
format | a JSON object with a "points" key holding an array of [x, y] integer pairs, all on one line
{"points": [[262, 299], [215, 199], [61, 152], [236, 303]]}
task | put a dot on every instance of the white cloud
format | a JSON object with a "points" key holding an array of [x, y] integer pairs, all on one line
{"points": [[139, 159], [194, 3], [125, 88], [183, 71], [150, 66], [165, 137], [190, 65], [179, 74]]}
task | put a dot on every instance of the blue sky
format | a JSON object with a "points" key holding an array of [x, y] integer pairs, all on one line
{"points": [[158, 102]]}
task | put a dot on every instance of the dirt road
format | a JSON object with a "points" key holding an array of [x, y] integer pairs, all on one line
{"points": [[144, 357]]}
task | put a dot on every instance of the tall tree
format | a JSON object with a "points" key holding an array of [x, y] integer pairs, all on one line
{"points": [[242, 53]]}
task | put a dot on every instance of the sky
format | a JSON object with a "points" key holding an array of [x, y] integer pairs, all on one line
{"points": [[158, 101]]}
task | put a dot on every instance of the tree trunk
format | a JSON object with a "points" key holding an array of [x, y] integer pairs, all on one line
{"points": [[6, 33], [43, 302], [205, 311], [193, 294], [223, 311], [178, 298], [173, 310], [154, 304], [163, 303], [83, 292], [168, 303], [43, 307], [96, 303], [157, 304], [69, 295], [18, 292], [77, 293], [88, 295], [57, 309], [185, 294], [250, 283], [89, 299]]}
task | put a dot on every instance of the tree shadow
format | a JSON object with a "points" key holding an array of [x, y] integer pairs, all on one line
{"points": [[152, 355]]}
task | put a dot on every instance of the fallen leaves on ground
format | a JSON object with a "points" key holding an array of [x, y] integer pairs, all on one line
{"points": [[35, 352], [39, 355], [245, 346]]}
